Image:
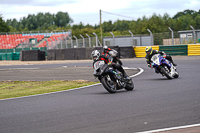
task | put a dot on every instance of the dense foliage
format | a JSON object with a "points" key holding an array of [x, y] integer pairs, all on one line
{"points": [[3, 26], [40, 22], [62, 21]]}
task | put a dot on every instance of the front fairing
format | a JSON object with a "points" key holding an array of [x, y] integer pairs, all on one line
{"points": [[158, 60], [99, 67], [100, 70]]}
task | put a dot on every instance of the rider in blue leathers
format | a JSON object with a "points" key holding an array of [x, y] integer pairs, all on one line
{"points": [[150, 53]]}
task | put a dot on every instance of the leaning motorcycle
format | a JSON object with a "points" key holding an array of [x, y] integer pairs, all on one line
{"points": [[111, 79], [164, 67]]}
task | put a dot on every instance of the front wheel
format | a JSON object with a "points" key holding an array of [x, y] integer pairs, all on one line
{"points": [[176, 75], [108, 84], [166, 72], [129, 85]]}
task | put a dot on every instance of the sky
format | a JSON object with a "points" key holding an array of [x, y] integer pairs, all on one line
{"points": [[88, 11]]}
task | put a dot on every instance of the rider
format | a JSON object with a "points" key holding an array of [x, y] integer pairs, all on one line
{"points": [[150, 53], [115, 58], [96, 56]]}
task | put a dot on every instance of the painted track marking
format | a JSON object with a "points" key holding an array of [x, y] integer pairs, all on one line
{"points": [[141, 70]]}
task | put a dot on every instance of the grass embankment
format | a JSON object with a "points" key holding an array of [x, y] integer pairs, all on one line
{"points": [[12, 89]]}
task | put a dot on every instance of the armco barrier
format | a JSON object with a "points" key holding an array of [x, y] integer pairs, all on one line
{"points": [[174, 50], [32, 55], [84, 53], [193, 49], [51, 54], [80, 53], [127, 52], [140, 50], [70, 53]]}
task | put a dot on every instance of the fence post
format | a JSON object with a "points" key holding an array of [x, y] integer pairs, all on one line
{"points": [[52, 47], [89, 40], [172, 35], [83, 41], [76, 41], [96, 39], [71, 41], [194, 34], [113, 38], [66, 43], [151, 36], [61, 43], [131, 35], [47, 43]]}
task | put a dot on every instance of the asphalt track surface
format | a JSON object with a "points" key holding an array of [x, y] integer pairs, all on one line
{"points": [[155, 103]]}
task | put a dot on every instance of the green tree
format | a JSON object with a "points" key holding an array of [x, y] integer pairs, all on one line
{"points": [[180, 14], [62, 19], [107, 26], [197, 22], [185, 22], [3, 26], [156, 23]]}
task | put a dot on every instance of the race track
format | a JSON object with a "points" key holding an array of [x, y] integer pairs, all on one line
{"points": [[154, 104]]}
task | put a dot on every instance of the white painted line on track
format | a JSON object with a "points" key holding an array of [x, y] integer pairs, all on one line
{"points": [[50, 93], [172, 128], [20, 69], [130, 68], [141, 70]]}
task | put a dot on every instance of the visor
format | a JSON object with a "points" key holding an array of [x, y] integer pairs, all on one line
{"points": [[148, 52]]}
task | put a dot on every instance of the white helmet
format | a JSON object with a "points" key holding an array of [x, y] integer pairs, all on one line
{"points": [[95, 55], [105, 47]]}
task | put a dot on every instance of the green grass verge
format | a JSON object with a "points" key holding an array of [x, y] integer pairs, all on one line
{"points": [[12, 89]]}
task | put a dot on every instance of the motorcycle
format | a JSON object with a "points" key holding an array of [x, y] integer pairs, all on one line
{"points": [[164, 66], [111, 79]]}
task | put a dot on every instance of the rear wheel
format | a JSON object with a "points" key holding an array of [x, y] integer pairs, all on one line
{"points": [[108, 84], [166, 72]]}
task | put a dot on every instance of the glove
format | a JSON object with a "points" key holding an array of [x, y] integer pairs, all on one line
{"points": [[149, 65], [164, 56], [109, 64]]}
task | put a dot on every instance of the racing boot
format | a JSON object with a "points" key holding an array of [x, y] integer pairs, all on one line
{"points": [[174, 63], [171, 60], [126, 77]]}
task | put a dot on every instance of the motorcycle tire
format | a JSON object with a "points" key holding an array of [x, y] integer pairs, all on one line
{"points": [[108, 85], [164, 71], [129, 85], [176, 75]]}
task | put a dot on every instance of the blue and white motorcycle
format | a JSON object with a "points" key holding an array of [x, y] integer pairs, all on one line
{"points": [[164, 66]]}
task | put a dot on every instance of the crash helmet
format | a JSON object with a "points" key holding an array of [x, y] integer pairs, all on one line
{"points": [[95, 55], [105, 47], [148, 50]]}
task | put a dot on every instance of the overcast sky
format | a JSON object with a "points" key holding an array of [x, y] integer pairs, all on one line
{"points": [[87, 11]]}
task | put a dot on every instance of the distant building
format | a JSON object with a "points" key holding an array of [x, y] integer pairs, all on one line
{"points": [[124, 41], [188, 37]]}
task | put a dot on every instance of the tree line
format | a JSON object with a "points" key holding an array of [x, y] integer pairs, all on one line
{"points": [[62, 21]]}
